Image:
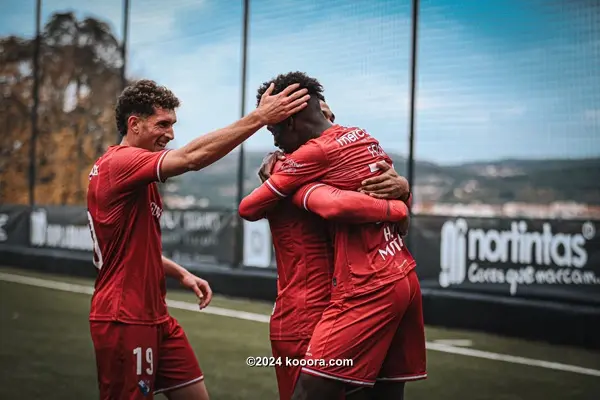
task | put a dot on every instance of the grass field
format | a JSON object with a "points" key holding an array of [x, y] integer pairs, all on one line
{"points": [[46, 352]]}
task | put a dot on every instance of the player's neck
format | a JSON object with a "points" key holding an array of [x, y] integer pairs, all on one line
{"points": [[128, 141], [125, 141], [316, 128]]}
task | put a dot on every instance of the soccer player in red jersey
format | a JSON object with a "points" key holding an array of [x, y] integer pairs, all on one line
{"points": [[140, 349], [375, 315], [305, 271], [305, 264]]}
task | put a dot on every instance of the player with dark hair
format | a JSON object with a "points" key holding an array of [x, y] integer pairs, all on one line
{"points": [[269, 161], [305, 264], [305, 260], [304, 270], [388, 185], [375, 313], [140, 349]]}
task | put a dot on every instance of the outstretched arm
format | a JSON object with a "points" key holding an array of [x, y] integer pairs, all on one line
{"points": [[213, 146], [347, 206]]}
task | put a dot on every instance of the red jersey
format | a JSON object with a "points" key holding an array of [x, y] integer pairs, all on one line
{"points": [[366, 256], [124, 210], [304, 258]]}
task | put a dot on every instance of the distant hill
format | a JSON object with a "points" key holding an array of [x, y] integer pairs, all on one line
{"points": [[494, 182]]}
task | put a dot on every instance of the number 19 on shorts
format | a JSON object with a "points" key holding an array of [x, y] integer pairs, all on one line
{"points": [[137, 353]]}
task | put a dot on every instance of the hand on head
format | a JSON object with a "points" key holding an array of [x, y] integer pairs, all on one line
{"points": [[276, 108]]}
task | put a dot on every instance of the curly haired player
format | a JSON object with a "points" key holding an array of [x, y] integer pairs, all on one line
{"points": [[305, 261], [140, 349], [375, 313]]}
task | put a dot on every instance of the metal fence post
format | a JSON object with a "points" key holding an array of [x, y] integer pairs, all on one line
{"points": [[124, 50], [239, 235], [36, 102], [413, 91]]}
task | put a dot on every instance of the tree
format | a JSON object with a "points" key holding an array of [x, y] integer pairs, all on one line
{"points": [[80, 63], [15, 122]]}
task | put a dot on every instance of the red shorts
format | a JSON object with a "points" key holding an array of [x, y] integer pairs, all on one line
{"points": [[288, 375], [381, 332], [138, 361]]}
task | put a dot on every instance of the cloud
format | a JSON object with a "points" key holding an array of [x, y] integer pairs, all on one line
{"points": [[366, 78], [366, 81], [473, 102], [207, 78]]}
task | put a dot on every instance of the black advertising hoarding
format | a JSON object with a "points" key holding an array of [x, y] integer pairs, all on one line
{"points": [[194, 237], [555, 260], [60, 227], [14, 225], [545, 259], [189, 236]]}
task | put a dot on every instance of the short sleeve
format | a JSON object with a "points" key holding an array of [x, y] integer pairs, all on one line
{"points": [[131, 166], [307, 164]]}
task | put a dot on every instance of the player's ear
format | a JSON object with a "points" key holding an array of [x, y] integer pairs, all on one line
{"points": [[133, 124]]}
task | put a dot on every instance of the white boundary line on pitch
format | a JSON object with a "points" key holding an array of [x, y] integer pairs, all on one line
{"points": [[442, 347]]}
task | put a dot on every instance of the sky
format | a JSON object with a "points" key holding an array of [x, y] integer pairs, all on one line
{"points": [[496, 79]]}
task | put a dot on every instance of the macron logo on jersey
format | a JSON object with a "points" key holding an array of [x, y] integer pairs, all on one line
{"points": [[352, 137]]}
